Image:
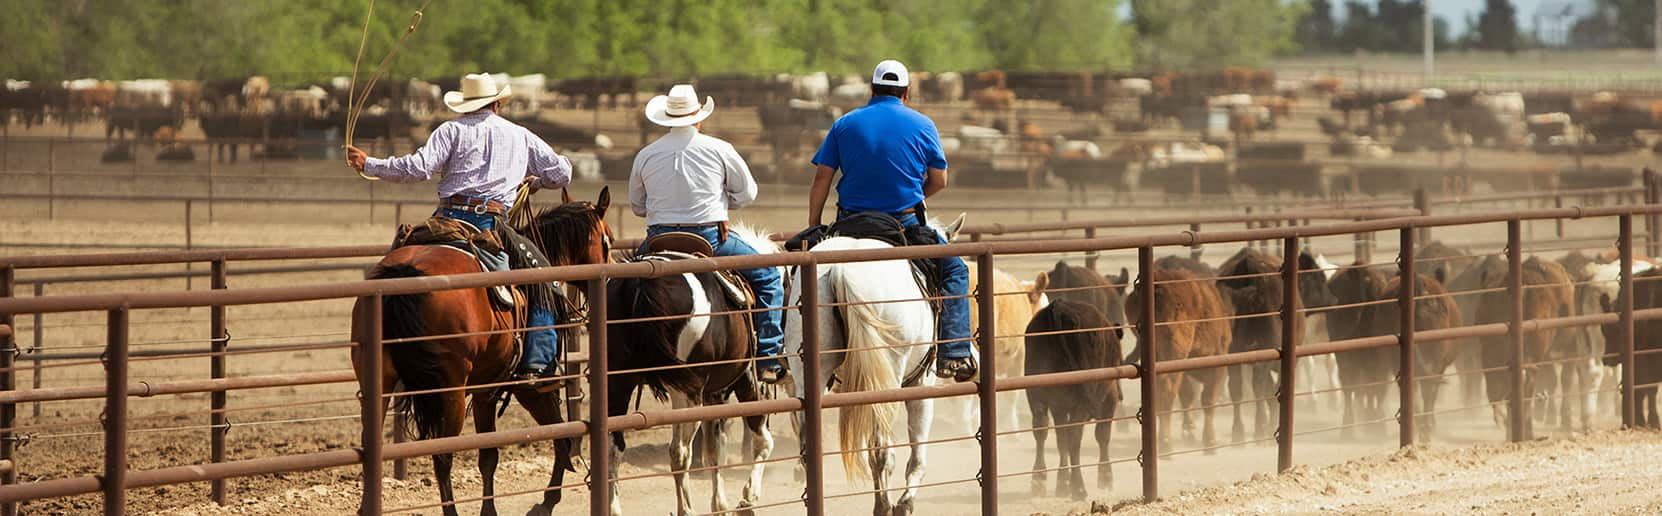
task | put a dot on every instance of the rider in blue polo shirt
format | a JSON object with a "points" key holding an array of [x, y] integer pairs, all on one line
{"points": [[891, 160]]}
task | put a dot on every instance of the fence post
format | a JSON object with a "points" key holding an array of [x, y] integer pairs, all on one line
{"points": [[40, 341], [1514, 330], [1289, 351], [987, 385], [370, 403], [813, 444], [1422, 202], [1409, 279], [1090, 256], [115, 415], [1195, 250], [8, 382], [1150, 458], [1653, 195], [218, 342], [600, 486], [1625, 243], [1558, 223], [1363, 251]]}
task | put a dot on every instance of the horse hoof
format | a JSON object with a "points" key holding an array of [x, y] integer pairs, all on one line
{"points": [[904, 508], [744, 508], [540, 510]]}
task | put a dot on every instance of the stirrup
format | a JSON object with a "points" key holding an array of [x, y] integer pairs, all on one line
{"points": [[771, 375], [956, 369]]}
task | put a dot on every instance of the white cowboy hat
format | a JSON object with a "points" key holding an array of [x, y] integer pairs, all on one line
{"points": [[679, 108], [478, 90]]}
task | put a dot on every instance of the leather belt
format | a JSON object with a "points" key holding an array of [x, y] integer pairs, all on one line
{"points": [[721, 228], [472, 204]]}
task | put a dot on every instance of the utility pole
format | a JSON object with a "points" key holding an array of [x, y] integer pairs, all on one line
{"points": [[1656, 30], [1430, 40]]}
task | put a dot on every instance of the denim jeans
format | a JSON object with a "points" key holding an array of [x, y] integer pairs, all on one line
{"points": [[542, 345], [765, 282], [954, 319]]}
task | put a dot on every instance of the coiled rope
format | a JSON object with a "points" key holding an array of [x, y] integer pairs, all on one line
{"points": [[357, 99]]}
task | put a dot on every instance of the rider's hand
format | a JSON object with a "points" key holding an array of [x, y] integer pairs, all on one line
{"points": [[356, 158], [530, 182]]}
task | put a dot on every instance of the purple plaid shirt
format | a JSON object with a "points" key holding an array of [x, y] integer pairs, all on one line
{"points": [[480, 155]]}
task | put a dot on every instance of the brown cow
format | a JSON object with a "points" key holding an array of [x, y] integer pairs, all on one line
{"points": [[1182, 295], [1433, 310], [1252, 281], [1363, 372], [1547, 293]]}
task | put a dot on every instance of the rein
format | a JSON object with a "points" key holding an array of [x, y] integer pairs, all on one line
{"points": [[355, 100]]}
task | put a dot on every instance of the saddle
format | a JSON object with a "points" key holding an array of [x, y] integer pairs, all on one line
{"points": [[883, 227], [678, 245]]}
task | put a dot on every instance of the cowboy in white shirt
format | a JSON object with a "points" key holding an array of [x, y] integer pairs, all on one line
{"points": [[484, 158], [685, 182]]}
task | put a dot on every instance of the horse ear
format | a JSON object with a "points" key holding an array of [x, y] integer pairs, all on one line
{"points": [[565, 196], [604, 202], [953, 228]]}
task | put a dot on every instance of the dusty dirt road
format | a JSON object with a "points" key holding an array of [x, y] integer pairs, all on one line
{"points": [[1602, 473]]}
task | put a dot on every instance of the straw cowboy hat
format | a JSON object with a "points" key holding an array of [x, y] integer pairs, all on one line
{"points": [[679, 108], [478, 90]]}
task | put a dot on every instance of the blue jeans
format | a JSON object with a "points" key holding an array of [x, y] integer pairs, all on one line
{"points": [[765, 282], [541, 345], [954, 319]]}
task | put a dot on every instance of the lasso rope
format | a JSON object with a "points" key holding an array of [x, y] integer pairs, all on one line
{"points": [[355, 99]]}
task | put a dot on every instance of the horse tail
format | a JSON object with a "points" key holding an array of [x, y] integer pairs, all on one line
{"points": [[416, 363], [866, 367]]}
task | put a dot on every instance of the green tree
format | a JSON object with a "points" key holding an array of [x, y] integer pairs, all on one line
{"points": [[1317, 31], [1497, 26], [1185, 34]]}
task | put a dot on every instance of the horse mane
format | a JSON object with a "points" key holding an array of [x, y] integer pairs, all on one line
{"points": [[756, 237], [564, 230]]}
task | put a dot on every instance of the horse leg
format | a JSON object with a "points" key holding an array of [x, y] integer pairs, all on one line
{"points": [[1237, 431], [546, 410], [761, 446], [881, 455], [484, 420], [1041, 419], [450, 425], [680, 455], [918, 422], [715, 449]]}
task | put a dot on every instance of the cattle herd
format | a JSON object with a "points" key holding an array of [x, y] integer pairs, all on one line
{"points": [[995, 135], [1236, 307]]}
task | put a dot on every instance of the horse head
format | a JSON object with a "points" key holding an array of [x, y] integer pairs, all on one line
{"points": [[575, 232]]}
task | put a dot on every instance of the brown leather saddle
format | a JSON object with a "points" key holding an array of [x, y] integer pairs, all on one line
{"points": [[679, 245]]}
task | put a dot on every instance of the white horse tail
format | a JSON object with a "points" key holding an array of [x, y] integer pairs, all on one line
{"points": [[867, 366]]}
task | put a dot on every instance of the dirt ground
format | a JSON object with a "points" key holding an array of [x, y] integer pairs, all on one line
{"points": [[64, 440]]}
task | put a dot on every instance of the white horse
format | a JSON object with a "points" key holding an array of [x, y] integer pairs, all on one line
{"points": [[866, 349]]}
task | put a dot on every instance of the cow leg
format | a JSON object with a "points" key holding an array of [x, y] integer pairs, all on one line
{"points": [[1237, 431], [1163, 406], [1592, 380], [1105, 430], [1263, 385], [1352, 398], [1070, 481], [484, 420], [1428, 404], [1211, 387], [1041, 419]]}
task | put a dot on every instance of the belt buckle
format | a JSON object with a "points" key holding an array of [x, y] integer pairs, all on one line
{"points": [[479, 209]]}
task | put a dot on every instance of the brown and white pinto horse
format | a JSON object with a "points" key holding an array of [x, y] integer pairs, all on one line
{"points": [[478, 346]]}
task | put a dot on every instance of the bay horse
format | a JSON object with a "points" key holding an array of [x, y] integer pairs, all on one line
{"points": [[717, 343], [477, 344], [1052, 349], [865, 347]]}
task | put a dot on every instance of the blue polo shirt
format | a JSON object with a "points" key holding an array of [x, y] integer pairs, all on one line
{"points": [[885, 151]]}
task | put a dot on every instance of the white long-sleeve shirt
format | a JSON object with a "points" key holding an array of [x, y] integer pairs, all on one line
{"points": [[689, 178], [481, 155]]}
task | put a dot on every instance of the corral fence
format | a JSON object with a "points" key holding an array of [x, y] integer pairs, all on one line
{"points": [[116, 478]]}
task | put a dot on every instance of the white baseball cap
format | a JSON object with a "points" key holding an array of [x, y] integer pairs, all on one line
{"points": [[890, 73]]}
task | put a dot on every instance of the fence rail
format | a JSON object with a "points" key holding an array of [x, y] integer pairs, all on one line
{"points": [[117, 478]]}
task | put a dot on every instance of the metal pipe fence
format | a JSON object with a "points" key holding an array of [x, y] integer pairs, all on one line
{"points": [[599, 425]]}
